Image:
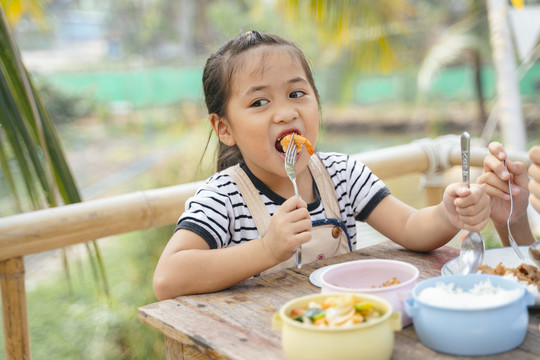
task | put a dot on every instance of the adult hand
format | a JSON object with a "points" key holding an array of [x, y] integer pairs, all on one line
{"points": [[494, 180]]}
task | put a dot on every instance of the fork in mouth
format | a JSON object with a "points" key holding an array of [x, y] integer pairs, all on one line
{"points": [[290, 169]]}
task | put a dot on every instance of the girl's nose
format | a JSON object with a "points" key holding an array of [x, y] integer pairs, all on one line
{"points": [[285, 114]]}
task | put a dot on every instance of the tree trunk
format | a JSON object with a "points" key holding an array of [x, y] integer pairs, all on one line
{"points": [[477, 68], [508, 98]]}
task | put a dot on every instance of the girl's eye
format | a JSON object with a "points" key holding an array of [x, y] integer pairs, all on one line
{"points": [[259, 103], [297, 94]]}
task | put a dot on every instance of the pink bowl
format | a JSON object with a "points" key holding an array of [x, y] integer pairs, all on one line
{"points": [[367, 276]]}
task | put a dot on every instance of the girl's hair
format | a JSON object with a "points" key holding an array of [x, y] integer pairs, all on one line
{"points": [[218, 74]]}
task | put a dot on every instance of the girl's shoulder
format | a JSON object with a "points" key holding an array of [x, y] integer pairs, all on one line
{"points": [[220, 184], [333, 158], [338, 161], [343, 167], [219, 179]]}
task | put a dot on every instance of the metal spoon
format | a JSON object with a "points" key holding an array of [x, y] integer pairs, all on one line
{"points": [[471, 253]]}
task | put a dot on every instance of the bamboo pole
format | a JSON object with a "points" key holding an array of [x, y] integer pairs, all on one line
{"points": [[434, 194], [395, 161], [14, 312], [55, 228]]}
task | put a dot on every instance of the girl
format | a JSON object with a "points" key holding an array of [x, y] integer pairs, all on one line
{"points": [[494, 179], [246, 220]]}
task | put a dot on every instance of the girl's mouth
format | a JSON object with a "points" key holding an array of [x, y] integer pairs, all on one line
{"points": [[278, 145]]}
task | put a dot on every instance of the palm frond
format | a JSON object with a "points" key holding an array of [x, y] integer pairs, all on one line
{"points": [[32, 142], [34, 9], [7, 173], [446, 51], [367, 30], [21, 120]]}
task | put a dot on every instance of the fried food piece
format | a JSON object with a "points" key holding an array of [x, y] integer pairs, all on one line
{"points": [[498, 270], [524, 272], [299, 140], [390, 282]]}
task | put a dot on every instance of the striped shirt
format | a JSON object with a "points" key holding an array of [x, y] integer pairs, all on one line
{"points": [[219, 214]]}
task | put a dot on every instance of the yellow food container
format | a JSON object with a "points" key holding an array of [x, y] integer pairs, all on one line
{"points": [[372, 340]]}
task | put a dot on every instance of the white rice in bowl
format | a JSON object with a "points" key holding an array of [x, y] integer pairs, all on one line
{"points": [[481, 295]]}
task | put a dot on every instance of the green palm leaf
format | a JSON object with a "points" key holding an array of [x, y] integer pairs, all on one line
{"points": [[33, 143], [368, 31]]}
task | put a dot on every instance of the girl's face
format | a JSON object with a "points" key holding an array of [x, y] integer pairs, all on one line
{"points": [[270, 98]]}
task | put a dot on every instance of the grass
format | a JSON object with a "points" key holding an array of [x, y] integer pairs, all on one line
{"points": [[76, 320]]}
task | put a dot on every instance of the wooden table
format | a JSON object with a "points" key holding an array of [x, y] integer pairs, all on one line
{"points": [[236, 323]]}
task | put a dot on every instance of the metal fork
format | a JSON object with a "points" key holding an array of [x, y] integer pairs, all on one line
{"points": [[290, 169], [510, 237]]}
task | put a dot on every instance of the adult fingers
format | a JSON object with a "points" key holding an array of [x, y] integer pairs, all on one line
{"points": [[534, 172], [534, 155], [495, 165], [493, 185]]}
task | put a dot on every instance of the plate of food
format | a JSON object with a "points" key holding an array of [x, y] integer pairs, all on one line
{"points": [[503, 261]]}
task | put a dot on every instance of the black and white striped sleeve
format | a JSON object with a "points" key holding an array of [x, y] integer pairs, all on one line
{"points": [[357, 188], [209, 213], [366, 189]]}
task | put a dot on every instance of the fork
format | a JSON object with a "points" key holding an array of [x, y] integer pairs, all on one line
{"points": [[510, 237], [290, 169]]}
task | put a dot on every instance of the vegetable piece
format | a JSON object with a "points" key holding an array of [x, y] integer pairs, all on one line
{"points": [[296, 312], [363, 306], [312, 314], [337, 311]]}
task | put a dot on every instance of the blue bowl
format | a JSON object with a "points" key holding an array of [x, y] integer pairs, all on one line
{"points": [[471, 331]]}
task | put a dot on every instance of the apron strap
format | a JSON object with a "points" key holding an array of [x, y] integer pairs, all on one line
{"points": [[256, 206], [251, 195], [326, 187]]}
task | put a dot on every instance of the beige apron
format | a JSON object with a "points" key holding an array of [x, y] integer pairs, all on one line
{"points": [[328, 237]]}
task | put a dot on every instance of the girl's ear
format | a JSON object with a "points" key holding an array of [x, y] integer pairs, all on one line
{"points": [[222, 130]]}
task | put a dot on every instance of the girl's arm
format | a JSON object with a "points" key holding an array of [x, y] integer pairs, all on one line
{"points": [[188, 265], [432, 227]]}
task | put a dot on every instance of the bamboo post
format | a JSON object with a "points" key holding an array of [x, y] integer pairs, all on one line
{"points": [[434, 194], [508, 97], [14, 313]]}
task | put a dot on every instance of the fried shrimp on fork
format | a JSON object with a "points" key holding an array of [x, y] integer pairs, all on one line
{"points": [[299, 140]]}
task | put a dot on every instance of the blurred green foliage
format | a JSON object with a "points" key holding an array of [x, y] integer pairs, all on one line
{"points": [[74, 321], [65, 106]]}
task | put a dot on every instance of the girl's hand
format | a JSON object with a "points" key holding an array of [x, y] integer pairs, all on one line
{"points": [[289, 227], [466, 208], [534, 172], [494, 181]]}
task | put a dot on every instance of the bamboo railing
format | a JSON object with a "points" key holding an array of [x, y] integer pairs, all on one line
{"points": [[55, 228]]}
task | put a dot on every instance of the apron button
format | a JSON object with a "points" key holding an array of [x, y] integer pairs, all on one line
{"points": [[336, 231]]}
